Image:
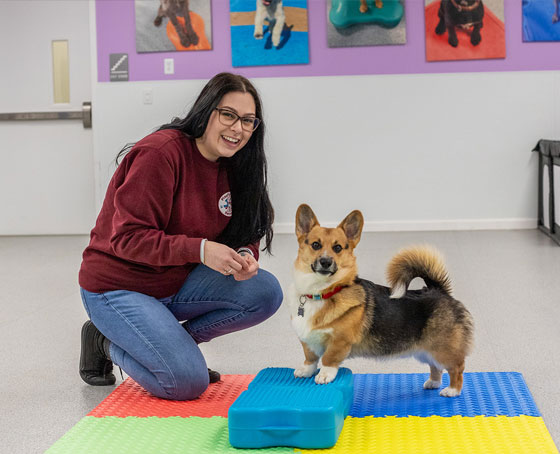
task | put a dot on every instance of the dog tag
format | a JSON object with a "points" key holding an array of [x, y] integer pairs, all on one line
{"points": [[302, 300]]}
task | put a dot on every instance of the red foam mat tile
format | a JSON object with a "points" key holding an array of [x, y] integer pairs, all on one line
{"points": [[130, 399]]}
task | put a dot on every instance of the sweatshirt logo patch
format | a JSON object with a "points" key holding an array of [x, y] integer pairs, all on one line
{"points": [[225, 204]]}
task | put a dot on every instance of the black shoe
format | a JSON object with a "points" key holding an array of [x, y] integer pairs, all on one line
{"points": [[214, 376], [95, 367]]}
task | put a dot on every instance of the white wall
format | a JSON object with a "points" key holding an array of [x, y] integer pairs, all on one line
{"points": [[449, 151], [413, 152]]}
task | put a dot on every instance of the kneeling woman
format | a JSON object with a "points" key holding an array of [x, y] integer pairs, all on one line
{"points": [[172, 259]]}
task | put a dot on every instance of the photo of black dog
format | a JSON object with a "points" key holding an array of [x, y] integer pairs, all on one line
{"points": [[466, 14], [172, 9]]}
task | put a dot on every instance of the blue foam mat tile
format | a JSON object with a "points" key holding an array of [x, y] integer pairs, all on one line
{"points": [[402, 395]]}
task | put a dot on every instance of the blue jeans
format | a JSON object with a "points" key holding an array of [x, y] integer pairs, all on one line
{"points": [[159, 353]]}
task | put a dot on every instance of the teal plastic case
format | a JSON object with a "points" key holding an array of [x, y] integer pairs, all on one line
{"points": [[278, 409]]}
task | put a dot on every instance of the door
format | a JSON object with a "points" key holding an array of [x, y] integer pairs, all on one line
{"points": [[46, 167]]}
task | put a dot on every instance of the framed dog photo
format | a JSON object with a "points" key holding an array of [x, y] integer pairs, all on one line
{"points": [[353, 23], [269, 32], [173, 25], [464, 29], [541, 20]]}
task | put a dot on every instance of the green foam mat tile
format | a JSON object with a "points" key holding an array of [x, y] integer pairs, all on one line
{"points": [[173, 435]]}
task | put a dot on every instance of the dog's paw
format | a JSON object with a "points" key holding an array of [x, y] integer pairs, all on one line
{"points": [[440, 29], [275, 41], [157, 21], [475, 38], [432, 384], [193, 38], [555, 18], [185, 41], [453, 41], [450, 392], [258, 35], [326, 375], [307, 370]]}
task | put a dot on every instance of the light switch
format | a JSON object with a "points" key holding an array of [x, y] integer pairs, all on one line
{"points": [[148, 96], [168, 66]]}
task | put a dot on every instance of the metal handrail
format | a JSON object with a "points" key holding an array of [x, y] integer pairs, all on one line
{"points": [[84, 115]]}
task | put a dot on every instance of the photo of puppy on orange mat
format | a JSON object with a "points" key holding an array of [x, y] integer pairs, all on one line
{"points": [[173, 25]]}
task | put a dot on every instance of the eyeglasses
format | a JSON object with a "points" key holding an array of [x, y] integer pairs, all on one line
{"points": [[229, 118]]}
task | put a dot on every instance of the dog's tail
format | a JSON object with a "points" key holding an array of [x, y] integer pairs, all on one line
{"points": [[417, 261]]}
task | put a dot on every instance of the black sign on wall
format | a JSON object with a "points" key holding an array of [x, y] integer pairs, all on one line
{"points": [[118, 67]]}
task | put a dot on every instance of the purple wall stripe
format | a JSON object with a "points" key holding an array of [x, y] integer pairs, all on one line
{"points": [[116, 34]]}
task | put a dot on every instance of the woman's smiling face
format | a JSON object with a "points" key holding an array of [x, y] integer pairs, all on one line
{"points": [[221, 141]]}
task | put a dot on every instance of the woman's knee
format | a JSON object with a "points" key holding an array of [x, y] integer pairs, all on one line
{"points": [[187, 384], [268, 294]]}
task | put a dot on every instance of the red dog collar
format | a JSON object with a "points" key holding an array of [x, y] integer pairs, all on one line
{"points": [[325, 296], [322, 296]]}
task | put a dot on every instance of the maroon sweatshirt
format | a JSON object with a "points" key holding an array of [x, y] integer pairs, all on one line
{"points": [[163, 199]]}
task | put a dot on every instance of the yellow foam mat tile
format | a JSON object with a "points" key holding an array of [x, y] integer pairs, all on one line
{"points": [[443, 435]]}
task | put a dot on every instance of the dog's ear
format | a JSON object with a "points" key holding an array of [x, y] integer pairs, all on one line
{"points": [[352, 226], [305, 220]]}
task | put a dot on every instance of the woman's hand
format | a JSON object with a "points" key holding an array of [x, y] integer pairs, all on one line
{"points": [[250, 269], [223, 259]]}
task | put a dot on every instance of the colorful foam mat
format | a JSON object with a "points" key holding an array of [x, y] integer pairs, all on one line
{"points": [[391, 413]]}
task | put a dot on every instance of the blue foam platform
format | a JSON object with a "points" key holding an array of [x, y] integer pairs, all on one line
{"points": [[280, 410], [282, 376], [402, 395]]}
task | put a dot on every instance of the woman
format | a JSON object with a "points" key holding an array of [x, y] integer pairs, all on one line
{"points": [[177, 241]]}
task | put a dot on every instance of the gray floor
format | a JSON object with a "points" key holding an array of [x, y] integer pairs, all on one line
{"points": [[510, 281]]}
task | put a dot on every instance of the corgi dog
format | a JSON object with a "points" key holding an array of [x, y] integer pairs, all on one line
{"points": [[338, 315]]}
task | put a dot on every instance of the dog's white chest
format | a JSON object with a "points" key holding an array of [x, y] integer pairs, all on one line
{"points": [[302, 317]]}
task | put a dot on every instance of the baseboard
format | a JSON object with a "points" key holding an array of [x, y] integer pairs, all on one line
{"points": [[378, 226], [435, 225]]}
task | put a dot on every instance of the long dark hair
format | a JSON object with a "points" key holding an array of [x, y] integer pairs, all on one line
{"points": [[253, 214]]}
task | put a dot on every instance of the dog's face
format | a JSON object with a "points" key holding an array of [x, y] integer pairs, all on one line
{"points": [[468, 8], [466, 2], [326, 254]]}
